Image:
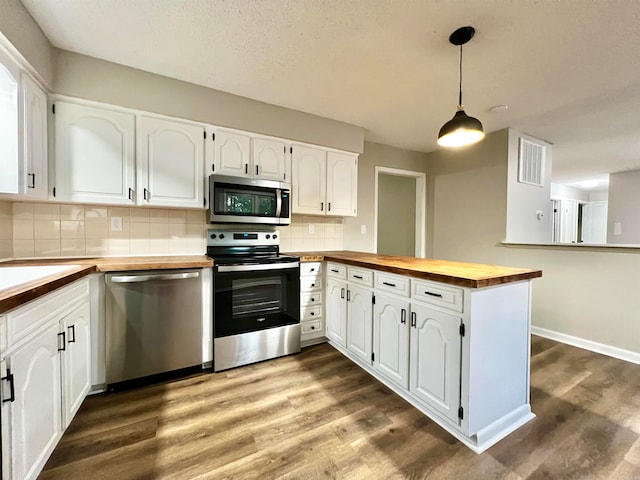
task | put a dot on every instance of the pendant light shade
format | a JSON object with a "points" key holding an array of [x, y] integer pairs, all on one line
{"points": [[462, 129]]}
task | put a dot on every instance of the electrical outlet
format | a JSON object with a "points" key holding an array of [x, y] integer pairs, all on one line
{"points": [[116, 224], [363, 229], [617, 228], [312, 229]]}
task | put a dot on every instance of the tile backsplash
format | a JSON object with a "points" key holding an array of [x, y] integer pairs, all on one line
{"points": [[31, 230]]}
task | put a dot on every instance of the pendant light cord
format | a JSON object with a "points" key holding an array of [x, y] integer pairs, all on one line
{"points": [[460, 86]]}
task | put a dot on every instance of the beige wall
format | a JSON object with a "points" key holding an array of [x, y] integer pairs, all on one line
{"points": [[6, 231], [396, 215], [99, 80], [17, 25], [586, 293], [624, 207], [375, 154]]}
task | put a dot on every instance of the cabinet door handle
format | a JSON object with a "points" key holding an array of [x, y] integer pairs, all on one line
{"points": [[389, 284], [322, 206], [72, 334], [348, 295], [438, 295], [246, 168], [342, 293], [32, 177], [329, 206], [403, 316], [413, 319], [64, 342], [12, 387], [257, 170], [130, 193], [146, 194]]}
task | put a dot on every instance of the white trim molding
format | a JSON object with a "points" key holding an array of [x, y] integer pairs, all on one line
{"points": [[615, 352]]}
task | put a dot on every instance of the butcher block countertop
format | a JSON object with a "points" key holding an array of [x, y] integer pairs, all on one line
{"points": [[46, 280], [472, 275]]}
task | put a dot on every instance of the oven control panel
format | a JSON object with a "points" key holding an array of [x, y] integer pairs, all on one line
{"points": [[225, 238]]}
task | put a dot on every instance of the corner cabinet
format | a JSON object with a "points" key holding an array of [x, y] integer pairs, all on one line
{"points": [[45, 375], [325, 182], [94, 155], [34, 173], [170, 158]]}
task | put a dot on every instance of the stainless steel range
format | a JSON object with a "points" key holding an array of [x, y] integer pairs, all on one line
{"points": [[256, 298]]}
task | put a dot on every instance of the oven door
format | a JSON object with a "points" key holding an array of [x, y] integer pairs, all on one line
{"points": [[250, 298]]}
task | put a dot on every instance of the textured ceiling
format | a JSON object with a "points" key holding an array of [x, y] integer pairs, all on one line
{"points": [[569, 71]]}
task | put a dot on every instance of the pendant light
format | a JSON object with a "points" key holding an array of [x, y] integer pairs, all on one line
{"points": [[462, 129]]}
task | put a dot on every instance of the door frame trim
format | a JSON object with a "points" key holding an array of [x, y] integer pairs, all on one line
{"points": [[421, 206]]}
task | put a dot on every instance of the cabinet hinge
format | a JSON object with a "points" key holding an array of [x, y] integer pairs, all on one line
{"points": [[373, 299], [373, 357], [54, 191], [462, 330], [460, 413], [53, 108]]}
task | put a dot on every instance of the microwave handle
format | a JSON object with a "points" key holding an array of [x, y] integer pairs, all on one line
{"points": [[278, 202]]}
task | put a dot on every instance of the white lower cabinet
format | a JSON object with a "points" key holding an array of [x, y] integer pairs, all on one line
{"points": [[311, 309], [434, 361], [336, 311], [391, 338], [45, 370], [359, 326]]}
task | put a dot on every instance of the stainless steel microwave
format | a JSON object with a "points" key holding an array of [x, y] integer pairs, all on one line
{"points": [[247, 200]]}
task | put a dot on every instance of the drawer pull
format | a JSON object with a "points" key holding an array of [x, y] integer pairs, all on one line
{"points": [[359, 277], [389, 284], [313, 299], [431, 294], [312, 314], [313, 285], [403, 316], [313, 327], [312, 269], [335, 271]]}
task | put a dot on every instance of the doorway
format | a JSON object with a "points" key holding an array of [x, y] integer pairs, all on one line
{"points": [[400, 205]]}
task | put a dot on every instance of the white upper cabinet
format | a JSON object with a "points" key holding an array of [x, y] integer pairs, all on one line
{"points": [[270, 160], [9, 121], [309, 170], [324, 182], [232, 154], [342, 184], [242, 155], [95, 150], [170, 163], [34, 120]]}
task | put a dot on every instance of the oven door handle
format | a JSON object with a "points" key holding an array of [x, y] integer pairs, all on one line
{"points": [[252, 268]]}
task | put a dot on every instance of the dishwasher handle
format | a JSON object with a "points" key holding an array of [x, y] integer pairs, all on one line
{"points": [[154, 277]]}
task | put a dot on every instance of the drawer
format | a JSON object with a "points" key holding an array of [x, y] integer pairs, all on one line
{"points": [[397, 284], [312, 328], [311, 313], [310, 299], [336, 270], [310, 284], [360, 276], [310, 268], [438, 294]]}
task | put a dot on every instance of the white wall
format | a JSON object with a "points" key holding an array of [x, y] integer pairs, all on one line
{"points": [[624, 207], [525, 201], [565, 192], [599, 195], [586, 293]]}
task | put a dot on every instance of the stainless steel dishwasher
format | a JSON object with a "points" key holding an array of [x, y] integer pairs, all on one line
{"points": [[154, 322]]}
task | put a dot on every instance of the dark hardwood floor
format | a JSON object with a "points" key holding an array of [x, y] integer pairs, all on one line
{"points": [[317, 415]]}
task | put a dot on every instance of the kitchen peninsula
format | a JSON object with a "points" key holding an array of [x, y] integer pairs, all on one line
{"points": [[451, 338]]}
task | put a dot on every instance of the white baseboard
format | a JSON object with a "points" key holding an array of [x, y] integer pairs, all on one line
{"points": [[615, 352]]}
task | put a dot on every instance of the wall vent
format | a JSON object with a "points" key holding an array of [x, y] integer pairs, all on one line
{"points": [[531, 163]]}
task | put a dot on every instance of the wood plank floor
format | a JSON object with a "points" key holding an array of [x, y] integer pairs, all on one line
{"points": [[317, 415]]}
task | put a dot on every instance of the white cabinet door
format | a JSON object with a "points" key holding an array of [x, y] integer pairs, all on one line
{"points": [[309, 169], [76, 360], [391, 339], [336, 311], [435, 359], [232, 154], [95, 150], [34, 121], [9, 135], [34, 417], [342, 184], [270, 160], [170, 163], [359, 322]]}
